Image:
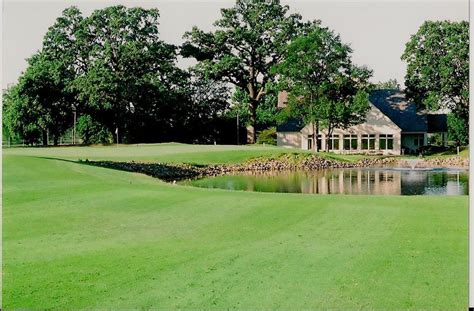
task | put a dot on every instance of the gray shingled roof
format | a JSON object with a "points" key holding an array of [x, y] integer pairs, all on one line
{"points": [[404, 114], [291, 125], [394, 105]]}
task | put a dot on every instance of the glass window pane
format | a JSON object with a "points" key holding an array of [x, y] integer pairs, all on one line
{"points": [[390, 143], [354, 143], [346, 144], [365, 144], [382, 143]]}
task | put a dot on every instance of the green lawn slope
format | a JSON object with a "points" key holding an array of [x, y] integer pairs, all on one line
{"points": [[170, 153], [84, 237]]}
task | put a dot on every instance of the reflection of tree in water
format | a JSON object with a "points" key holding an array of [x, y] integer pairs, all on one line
{"points": [[414, 182]]}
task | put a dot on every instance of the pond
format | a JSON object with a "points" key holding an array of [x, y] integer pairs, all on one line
{"points": [[376, 181]]}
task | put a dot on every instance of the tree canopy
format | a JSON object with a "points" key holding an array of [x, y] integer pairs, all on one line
{"points": [[389, 84], [113, 69], [438, 67], [116, 73], [39, 103], [325, 88], [249, 39]]}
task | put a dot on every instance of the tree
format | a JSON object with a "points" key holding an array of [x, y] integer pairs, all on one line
{"points": [[41, 102], [266, 113], [457, 129], [61, 43], [389, 84], [249, 40], [131, 80], [92, 132], [19, 118], [325, 88], [207, 102], [438, 67], [113, 69], [38, 103], [343, 107]]}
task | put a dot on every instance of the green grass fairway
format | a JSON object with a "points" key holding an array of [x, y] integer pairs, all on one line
{"points": [[83, 237], [171, 153]]}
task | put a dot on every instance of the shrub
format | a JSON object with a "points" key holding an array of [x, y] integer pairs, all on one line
{"points": [[267, 136]]}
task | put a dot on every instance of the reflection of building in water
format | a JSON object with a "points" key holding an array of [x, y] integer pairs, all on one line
{"points": [[353, 182], [454, 185], [348, 181]]}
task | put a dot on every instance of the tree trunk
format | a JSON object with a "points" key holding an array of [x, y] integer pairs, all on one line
{"points": [[45, 138], [318, 147], [328, 138], [315, 136], [251, 132]]}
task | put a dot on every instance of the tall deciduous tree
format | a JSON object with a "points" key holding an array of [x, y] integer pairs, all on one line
{"points": [[19, 118], [249, 40], [458, 131], [266, 114], [438, 67], [325, 88], [208, 100], [111, 66], [39, 101], [131, 74]]}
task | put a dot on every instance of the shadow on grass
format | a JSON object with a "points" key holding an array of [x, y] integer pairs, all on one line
{"points": [[166, 172]]}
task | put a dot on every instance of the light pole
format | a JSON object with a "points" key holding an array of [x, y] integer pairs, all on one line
{"points": [[74, 127], [117, 133]]}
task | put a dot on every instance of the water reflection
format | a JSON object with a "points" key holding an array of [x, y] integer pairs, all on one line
{"points": [[346, 181]]}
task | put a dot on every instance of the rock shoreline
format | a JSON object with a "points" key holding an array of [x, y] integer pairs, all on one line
{"points": [[172, 172]]}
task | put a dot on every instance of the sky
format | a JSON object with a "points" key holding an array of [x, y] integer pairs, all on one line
{"points": [[377, 30]]}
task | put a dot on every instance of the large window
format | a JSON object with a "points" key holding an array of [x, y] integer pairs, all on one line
{"points": [[333, 142], [368, 142], [318, 141], [386, 141], [350, 142]]}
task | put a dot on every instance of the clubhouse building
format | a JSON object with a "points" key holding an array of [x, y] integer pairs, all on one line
{"points": [[393, 126]]}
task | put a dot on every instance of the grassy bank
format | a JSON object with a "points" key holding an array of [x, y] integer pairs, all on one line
{"points": [[77, 236]]}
